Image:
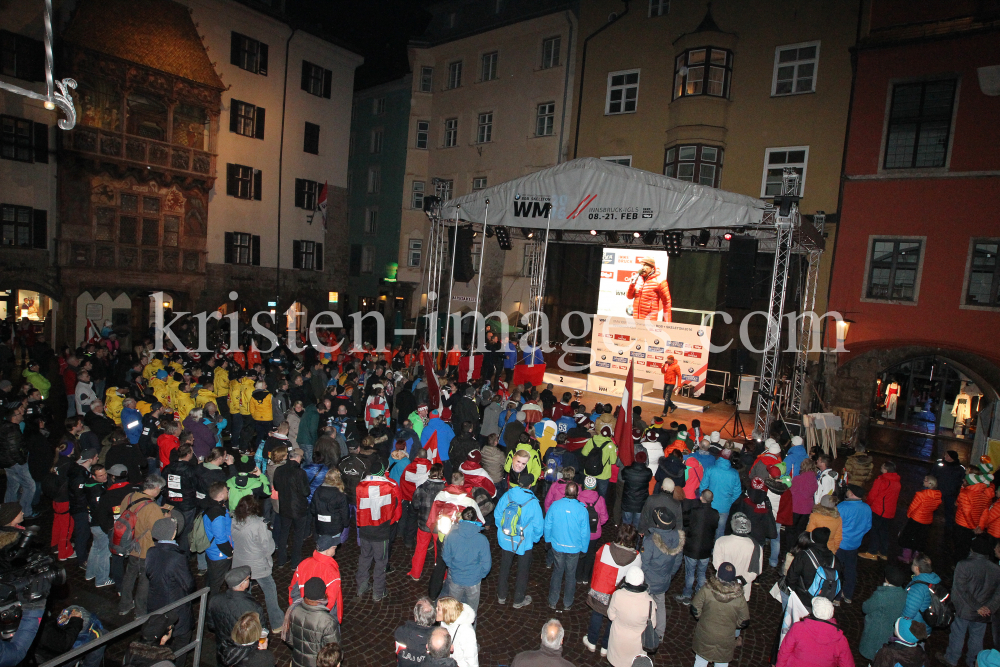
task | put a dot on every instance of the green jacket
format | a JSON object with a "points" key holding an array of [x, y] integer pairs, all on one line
{"points": [[882, 610], [308, 426], [38, 381], [244, 484], [418, 423], [534, 463], [609, 454]]}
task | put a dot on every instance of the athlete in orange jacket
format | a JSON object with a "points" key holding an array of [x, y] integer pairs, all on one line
{"points": [[650, 293], [990, 520]]}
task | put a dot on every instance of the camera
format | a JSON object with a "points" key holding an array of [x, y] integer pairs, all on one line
{"points": [[26, 575]]}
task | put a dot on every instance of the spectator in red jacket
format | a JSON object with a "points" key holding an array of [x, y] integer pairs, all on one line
{"points": [[321, 564], [882, 499]]}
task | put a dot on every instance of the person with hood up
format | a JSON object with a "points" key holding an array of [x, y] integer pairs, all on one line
{"points": [[882, 610], [804, 487], [662, 555], [975, 592], [882, 499], [520, 524], [795, 455], [694, 474], [919, 517], [905, 646], [567, 529], [612, 561], [630, 608], [466, 552], [740, 549], [825, 515], [721, 610], [756, 505], [724, 483], [816, 641], [459, 620]]}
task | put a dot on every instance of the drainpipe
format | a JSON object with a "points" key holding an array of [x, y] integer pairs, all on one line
{"points": [[281, 158], [569, 50], [583, 69]]}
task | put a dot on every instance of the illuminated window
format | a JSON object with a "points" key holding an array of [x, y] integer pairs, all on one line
{"points": [[703, 71]]}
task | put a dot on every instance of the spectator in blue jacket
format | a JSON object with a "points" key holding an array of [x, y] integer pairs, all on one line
{"points": [[131, 421], [517, 533], [724, 483], [796, 454], [218, 525], [662, 555], [445, 434], [509, 359], [467, 554], [918, 593], [856, 520], [567, 529]]}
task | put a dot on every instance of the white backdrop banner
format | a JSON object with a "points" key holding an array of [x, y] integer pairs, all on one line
{"points": [[617, 340]]}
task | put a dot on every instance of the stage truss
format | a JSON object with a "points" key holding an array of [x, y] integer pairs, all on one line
{"points": [[783, 233]]}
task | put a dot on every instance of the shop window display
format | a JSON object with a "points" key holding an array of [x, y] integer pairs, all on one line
{"points": [[927, 395]]}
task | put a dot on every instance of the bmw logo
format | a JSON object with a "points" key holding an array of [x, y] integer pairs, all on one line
{"points": [[701, 332], [620, 352], [656, 341], [691, 370], [604, 357], [638, 346], [517, 196]]}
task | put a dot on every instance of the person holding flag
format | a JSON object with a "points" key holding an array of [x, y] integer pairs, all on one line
{"points": [[379, 508], [446, 510], [415, 474], [423, 500]]}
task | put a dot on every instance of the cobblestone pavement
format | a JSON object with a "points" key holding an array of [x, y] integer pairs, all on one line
{"points": [[503, 631]]}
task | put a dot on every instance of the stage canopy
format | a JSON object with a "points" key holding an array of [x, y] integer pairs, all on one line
{"points": [[590, 193]]}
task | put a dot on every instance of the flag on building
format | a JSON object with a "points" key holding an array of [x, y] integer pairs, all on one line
{"points": [[623, 427], [321, 204]]}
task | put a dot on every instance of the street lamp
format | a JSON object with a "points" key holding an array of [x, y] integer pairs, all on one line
{"points": [[843, 327]]}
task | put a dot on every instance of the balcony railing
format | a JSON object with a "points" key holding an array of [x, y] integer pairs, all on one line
{"points": [[140, 150], [131, 258]]}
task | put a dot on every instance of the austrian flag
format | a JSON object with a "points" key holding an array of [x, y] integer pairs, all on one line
{"points": [[378, 502]]}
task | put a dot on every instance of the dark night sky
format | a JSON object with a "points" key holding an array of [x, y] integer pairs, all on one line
{"points": [[377, 29]]}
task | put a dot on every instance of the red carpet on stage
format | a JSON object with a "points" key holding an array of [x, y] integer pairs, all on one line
{"points": [[525, 373]]}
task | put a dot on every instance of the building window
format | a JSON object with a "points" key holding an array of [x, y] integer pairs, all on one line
{"points": [[984, 274], [703, 71], [249, 54], [423, 130], [451, 132], [414, 251], [417, 196], [23, 227], [21, 57], [378, 106], [625, 160], [795, 69], [775, 161], [455, 74], [310, 142], [376, 142], [488, 66], [694, 164], [371, 220], [478, 183], [305, 194], [307, 255], [316, 80], [484, 130], [23, 140], [374, 180], [368, 260], [623, 92], [550, 52], [919, 124], [171, 230], [658, 8], [246, 119], [243, 182], [545, 119], [445, 188], [242, 248], [892, 274], [426, 79]]}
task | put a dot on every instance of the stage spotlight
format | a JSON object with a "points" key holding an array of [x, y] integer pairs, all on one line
{"points": [[611, 236], [649, 238], [503, 238], [728, 236], [489, 232], [672, 243], [636, 235], [703, 238], [526, 233], [593, 232]]}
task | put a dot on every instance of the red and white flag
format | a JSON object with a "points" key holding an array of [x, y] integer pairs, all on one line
{"points": [[470, 368], [433, 455], [433, 391], [378, 501], [91, 333], [475, 475], [414, 475], [623, 427], [321, 204]]}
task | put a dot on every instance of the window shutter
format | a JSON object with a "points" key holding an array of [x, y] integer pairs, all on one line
{"points": [[40, 230], [230, 248], [234, 125], [318, 261], [258, 130], [41, 142], [262, 60], [327, 83], [255, 250], [305, 74], [257, 184], [300, 194], [296, 253], [234, 49], [231, 188]]}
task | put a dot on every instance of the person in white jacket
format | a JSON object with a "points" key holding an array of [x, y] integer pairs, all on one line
{"points": [[458, 617], [826, 478], [84, 393]]}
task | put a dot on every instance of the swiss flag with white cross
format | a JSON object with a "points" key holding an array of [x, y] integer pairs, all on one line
{"points": [[379, 501]]}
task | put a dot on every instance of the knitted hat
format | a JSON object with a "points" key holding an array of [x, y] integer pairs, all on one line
{"points": [[822, 608], [637, 434], [9, 512], [988, 658], [771, 446], [664, 518], [161, 374], [774, 472], [640, 457], [904, 630], [237, 576], [650, 436], [589, 482], [580, 419], [668, 485], [315, 589], [634, 576], [607, 431], [740, 524], [521, 416], [757, 483], [716, 436], [476, 456], [726, 572], [796, 440], [164, 529], [856, 490]]}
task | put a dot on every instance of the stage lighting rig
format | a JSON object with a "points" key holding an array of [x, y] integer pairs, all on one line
{"points": [[503, 238], [527, 233], [649, 238], [611, 236], [593, 232], [704, 236], [728, 236], [672, 243]]}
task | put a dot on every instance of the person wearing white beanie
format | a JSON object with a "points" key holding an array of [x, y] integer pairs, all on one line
{"points": [[631, 606], [816, 640], [795, 455]]}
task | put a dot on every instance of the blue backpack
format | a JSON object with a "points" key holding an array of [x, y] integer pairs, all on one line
{"points": [[510, 522], [826, 581], [553, 464]]}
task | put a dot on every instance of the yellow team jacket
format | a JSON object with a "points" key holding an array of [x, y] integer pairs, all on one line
{"points": [[151, 368], [221, 382], [144, 407], [205, 397], [113, 405], [261, 411], [183, 403], [244, 387], [161, 391]]}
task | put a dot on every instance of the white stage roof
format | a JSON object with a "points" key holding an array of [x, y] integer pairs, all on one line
{"points": [[589, 193]]}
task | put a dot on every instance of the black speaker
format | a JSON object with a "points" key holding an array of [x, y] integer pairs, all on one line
{"points": [[741, 262], [464, 270]]}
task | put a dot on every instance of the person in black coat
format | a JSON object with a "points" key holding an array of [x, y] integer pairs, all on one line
{"points": [[757, 506], [700, 524], [170, 577], [292, 485], [224, 610], [217, 467], [97, 421], [635, 479], [41, 448], [129, 455], [78, 478], [462, 445], [464, 409], [330, 510], [182, 482], [405, 404], [949, 473]]}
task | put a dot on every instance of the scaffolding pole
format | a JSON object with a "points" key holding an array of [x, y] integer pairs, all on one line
{"points": [[805, 324]]}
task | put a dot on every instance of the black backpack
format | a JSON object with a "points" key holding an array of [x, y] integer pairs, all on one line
{"points": [[940, 612], [594, 518], [593, 464]]}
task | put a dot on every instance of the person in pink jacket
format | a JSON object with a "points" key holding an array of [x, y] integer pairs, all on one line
{"points": [[804, 487], [816, 641]]}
